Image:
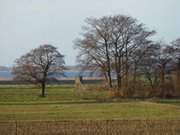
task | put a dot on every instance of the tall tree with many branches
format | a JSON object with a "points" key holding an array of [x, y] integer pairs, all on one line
{"points": [[107, 42], [95, 44], [36, 65], [127, 35]]}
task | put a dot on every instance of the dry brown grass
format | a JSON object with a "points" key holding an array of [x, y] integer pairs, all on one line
{"points": [[108, 127], [142, 89]]}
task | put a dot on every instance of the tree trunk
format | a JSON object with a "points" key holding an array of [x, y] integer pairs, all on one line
{"points": [[44, 84], [43, 89], [178, 75], [135, 73], [108, 65], [119, 79], [162, 76], [178, 80], [126, 67], [117, 59], [117, 71], [105, 76]]}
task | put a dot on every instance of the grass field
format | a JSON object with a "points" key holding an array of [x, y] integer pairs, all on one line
{"points": [[29, 94], [22, 102]]}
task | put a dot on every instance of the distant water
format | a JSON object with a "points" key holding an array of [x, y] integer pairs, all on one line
{"points": [[59, 74], [6, 74], [75, 73]]}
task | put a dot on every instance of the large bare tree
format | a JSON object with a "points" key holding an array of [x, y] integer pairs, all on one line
{"points": [[90, 56], [148, 64], [127, 35], [95, 44], [107, 42], [36, 64]]}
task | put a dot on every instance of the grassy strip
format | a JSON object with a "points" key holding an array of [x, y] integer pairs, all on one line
{"points": [[97, 111]]}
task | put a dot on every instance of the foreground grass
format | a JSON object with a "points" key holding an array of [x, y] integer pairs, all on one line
{"points": [[64, 103], [93, 111]]}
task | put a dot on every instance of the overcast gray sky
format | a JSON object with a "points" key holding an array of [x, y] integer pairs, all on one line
{"points": [[26, 24]]}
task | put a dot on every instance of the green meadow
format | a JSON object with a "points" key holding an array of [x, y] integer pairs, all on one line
{"points": [[63, 102]]}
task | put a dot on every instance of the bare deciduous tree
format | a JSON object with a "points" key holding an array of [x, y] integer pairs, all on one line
{"points": [[90, 56], [127, 35], [149, 64], [108, 41], [136, 58], [35, 65], [95, 44], [176, 59]]}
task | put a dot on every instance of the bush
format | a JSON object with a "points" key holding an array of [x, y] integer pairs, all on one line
{"points": [[166, 90]]}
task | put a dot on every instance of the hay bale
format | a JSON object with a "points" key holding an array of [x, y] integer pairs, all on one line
{"points": [[78, 82]]}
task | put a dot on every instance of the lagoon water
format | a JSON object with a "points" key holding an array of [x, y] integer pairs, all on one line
{"points": [[6, 74], [58, 74]]}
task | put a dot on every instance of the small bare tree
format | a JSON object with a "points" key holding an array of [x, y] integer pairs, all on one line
{"points": [[35, 65], [163, 59], [176, 59], [149, 64], [136, 58]]}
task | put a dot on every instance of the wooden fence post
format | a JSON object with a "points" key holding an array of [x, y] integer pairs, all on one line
{"points": [[16, 132]]}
